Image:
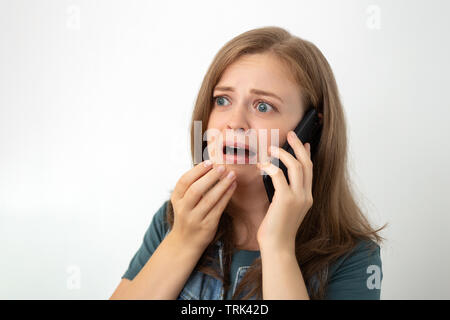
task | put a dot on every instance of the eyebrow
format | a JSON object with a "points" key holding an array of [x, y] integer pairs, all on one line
{"points": [[255, 91]]}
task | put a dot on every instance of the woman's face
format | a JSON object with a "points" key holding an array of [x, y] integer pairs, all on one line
{"points": [[237, 108]]}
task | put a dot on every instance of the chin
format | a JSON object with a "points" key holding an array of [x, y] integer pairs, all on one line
{"points": [[247, 167], [244, 171]]}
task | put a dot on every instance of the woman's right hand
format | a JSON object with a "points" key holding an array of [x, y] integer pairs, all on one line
{"points": [[198, 201]]}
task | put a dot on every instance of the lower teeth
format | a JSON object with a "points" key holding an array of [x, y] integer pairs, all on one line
{"points": [[245, 154], [236, 154]]}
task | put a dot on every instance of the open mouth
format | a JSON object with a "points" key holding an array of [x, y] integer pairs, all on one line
{"points": [[235, 153]]}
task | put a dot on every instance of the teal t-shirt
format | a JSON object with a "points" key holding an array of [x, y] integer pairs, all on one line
{"points": [[357, 275]]}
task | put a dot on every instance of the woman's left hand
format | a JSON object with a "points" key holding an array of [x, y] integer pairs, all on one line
{"points": [[290, 202]]}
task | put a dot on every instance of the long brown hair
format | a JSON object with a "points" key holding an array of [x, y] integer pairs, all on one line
{"points": [[335, 224]]}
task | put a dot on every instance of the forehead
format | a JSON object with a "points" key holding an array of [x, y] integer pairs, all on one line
{"points": [[260, 71]]}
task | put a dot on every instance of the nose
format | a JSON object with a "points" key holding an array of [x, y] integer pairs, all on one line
{"points": [[238, 120]]}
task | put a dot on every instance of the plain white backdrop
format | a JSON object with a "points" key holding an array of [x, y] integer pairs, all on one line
{"points": [[95, 103]]}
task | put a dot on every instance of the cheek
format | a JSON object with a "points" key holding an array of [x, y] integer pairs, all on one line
{"points": [[214, 120], [279, 140], [215, 149]]}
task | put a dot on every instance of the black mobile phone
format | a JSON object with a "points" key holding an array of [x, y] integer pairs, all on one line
{"points": [[308, 130]]}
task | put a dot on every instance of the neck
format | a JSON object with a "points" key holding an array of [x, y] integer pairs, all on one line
{"points": [[248, 206]]}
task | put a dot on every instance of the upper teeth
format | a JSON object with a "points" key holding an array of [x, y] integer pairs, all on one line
{"points": [[235, 147], [238, 148]]}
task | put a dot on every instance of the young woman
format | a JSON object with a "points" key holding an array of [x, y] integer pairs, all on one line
{"points": [[218, 236]]}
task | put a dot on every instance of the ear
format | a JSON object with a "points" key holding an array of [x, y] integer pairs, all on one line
{"points": [[320, 115]]}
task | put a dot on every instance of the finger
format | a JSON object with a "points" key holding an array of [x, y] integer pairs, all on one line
{"points": [[216, 212], [276, 174], [295, 169], [309, 183], [303, 157], [199, 188], [189, 177], [208, 201]]}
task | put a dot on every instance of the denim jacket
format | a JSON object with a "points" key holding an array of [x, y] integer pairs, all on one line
{"points": [[200, 286]]}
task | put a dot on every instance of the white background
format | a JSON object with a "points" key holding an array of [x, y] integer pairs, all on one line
{"points": [[95, 103]]}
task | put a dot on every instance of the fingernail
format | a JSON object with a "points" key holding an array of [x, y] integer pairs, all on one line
{"points": [[221, 169], [262, 164], [273, 150], [230, 175], [291, 134], [207, 163]]}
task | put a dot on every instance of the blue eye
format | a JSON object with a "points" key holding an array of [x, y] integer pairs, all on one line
{"points": [[216, 99], [262, 102]]}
